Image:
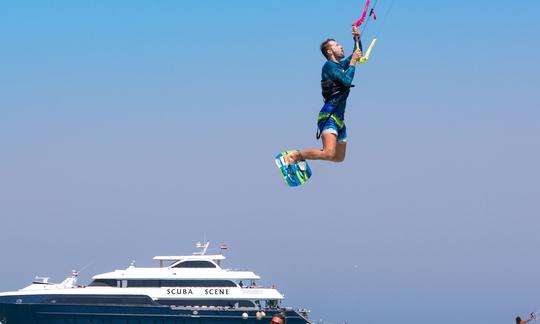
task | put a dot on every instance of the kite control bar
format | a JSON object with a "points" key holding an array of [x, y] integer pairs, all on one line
{"points": [[365, 58], [357, 24]]}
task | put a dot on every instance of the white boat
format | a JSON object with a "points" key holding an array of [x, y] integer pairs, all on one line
{"points": [[183, 289]]}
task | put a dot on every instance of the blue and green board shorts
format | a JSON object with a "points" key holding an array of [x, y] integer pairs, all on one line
{"points": [[333, 125]]}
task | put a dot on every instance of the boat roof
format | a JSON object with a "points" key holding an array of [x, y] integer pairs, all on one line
{"points": [[178, 274], [214, 257], [172, 271]]}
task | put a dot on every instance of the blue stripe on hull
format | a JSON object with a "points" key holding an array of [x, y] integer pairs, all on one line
{"points": [[102, 314]]}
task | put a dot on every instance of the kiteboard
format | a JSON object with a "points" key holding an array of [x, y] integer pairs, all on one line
{"points": [[294, 174]]}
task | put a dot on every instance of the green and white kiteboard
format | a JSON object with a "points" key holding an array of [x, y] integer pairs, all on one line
{"points": [[295, 174]]}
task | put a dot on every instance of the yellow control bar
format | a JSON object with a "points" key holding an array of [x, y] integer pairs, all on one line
{"points": [[365, 58]]}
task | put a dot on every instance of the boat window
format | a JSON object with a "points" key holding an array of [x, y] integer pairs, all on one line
{"points": [[197, 283], [104, 283], [207, 303], [195, 264], [102, 300], [144, 283], [179, 283]]}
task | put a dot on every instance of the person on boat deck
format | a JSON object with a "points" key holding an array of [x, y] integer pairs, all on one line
{"points": [[336, 80], [278, 319], [520, 321]]}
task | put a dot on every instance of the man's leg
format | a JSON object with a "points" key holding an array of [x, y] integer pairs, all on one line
{"points": [[341, 149], [331, 151]]}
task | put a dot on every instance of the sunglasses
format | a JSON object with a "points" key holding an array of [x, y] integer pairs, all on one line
{"points": [[276, 322]]}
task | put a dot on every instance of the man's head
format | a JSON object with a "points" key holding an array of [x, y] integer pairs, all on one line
{"points": [[332, 50], [518, 320], [278, 319]]}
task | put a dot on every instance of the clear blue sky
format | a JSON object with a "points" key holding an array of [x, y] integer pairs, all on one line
{"points": [[130, 129]]}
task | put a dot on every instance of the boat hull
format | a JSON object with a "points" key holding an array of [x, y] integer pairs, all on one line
{"points": [[101, 314]]}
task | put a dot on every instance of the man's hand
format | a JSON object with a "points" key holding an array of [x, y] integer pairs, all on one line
{"points": [[355, 32], [356, 55]]}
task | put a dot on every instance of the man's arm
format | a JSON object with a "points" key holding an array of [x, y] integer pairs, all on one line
{"points": [[348, 60], [344, 77]]}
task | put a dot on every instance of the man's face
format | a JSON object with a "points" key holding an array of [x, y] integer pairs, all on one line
{"points": [[276, 320], [336, 49]]}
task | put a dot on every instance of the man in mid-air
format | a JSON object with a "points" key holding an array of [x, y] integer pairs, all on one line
{"points": [[336, 81]]}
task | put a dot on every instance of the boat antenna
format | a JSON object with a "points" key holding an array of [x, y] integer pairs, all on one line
{"points": [[76, 273], [202, 246], [86, 266]]}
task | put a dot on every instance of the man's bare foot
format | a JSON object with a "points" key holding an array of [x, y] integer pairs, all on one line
{"points": [[292, 157]]}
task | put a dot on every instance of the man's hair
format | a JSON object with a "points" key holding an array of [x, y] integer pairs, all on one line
{"points": [[281, 316], [518, 320], [325, 46]]}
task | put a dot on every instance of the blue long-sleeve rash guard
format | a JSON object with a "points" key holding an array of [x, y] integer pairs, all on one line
{"points": [[343, 73]]}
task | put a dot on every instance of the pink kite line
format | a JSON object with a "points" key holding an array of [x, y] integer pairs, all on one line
{"points": [[361, 20]]}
